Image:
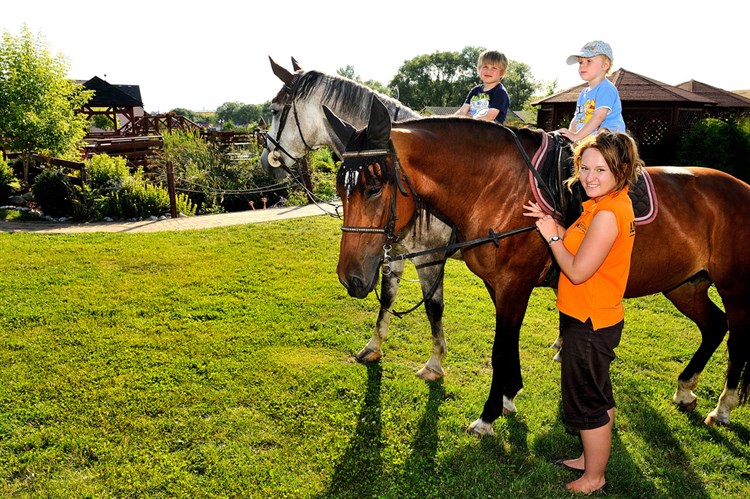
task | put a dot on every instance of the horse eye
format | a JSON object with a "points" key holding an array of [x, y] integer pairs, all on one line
{"points": [[373, 191]]}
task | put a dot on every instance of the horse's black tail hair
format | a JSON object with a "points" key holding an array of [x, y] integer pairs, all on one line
{"points": [[744, 387], [742, 346]]}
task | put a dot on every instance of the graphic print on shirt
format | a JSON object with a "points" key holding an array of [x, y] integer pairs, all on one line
{"points": [[586, 111], [479, 102]]}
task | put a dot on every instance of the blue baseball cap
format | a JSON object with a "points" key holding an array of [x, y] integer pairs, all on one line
{"points": [[591, 49]]}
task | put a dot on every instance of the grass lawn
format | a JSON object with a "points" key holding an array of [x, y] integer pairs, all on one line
{"points": [[218, 363]]}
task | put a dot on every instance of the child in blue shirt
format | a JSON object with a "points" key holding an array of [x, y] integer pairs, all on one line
{"points": [[599, 103]]}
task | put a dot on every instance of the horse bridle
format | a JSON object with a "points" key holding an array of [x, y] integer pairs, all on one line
{"points": [[384, 157], [291, 91]]}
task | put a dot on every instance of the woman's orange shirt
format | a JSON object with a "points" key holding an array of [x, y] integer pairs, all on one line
{"points": [[600, 297]]}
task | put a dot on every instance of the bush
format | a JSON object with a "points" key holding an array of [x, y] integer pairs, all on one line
{"points": [[54, 193], [106, 172], [7, 181], [214, 182], [724, 145], [139, 199]]}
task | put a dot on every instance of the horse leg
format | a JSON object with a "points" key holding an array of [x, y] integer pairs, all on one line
{"points": [[557, 345], [738, 348], [431, 280], [691, 298], [506, 360], [372, 352]]}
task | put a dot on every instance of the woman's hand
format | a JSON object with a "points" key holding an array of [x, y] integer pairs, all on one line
{"points": [[545, 224]]}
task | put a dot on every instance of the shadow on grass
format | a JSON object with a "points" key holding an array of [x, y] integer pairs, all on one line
{"points": [[664, 450], [358, 472]]}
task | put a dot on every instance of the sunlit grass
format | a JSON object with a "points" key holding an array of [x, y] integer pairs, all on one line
{"points": [[218, 363]]}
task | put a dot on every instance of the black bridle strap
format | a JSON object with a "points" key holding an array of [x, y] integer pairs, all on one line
{"points": [[493, 236], [292, 91]]}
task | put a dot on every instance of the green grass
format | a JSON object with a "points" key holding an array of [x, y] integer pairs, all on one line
{"points": [[218, 363]]}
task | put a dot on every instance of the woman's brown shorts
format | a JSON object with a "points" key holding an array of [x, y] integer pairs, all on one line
{"points": [[585, 383]]}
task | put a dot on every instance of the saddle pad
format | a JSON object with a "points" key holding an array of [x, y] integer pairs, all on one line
{"points": [[554, 170]]}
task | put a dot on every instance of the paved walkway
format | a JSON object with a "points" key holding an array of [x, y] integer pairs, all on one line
{"points": [[182, 223]]}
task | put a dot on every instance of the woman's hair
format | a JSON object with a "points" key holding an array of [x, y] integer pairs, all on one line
{"points": [[620, 152], [492, 57]]}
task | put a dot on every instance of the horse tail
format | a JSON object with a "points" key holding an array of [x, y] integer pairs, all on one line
{"points": [[743, 349]]}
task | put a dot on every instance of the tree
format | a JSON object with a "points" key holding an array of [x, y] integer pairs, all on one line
{"points": [[348, 72], [38, 101], [444, 79], [239, 113]]}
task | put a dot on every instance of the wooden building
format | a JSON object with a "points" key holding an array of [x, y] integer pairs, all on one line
{"points": [[122, 104], [655, 113]]}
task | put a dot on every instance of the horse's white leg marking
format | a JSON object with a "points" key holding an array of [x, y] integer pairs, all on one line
{"points": [[727, 401], [557, 345], [481, 428], [684, 396]]}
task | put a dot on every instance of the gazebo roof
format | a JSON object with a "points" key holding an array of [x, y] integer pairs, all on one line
{"points": [[723, 98], [108, 95], [633, 87]]}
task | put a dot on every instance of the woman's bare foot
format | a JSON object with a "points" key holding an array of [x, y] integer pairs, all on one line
{"points": [[585, 485]]}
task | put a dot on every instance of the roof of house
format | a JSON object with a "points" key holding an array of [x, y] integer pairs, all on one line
{"points": [[633, 87], [723, 98], [107, 95]]}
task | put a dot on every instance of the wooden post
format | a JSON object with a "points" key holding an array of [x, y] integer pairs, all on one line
{"points": [[170, 187]]}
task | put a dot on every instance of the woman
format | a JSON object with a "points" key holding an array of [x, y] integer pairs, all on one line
{"points": [[594, 258]]}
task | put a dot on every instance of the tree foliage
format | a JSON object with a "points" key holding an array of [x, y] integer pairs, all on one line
{"points": [[348, 72], [239, 113], [721, 144], [37, 99], [444, 79]]}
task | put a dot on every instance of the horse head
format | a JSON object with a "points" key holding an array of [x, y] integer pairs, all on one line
{"points": [[298, 124], [376, 202], [293, 129]]}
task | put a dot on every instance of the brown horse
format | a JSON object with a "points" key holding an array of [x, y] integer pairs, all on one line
{"points": [[475, 175]]}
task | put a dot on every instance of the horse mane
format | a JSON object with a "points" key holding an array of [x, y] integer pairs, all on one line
{"points": [[348, 97]]}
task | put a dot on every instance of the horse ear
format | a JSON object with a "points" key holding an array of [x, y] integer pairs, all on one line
{"points": [[341, 128], [295, 65], [283, 74], [379, 125]]}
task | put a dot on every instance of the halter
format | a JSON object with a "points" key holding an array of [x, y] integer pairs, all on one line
{"points": [[382, 156], [291, 92]]}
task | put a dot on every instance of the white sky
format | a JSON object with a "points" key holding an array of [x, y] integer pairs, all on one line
{"points": [[198, 55]]}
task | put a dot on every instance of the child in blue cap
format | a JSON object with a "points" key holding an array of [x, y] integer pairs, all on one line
{"points": [[599, 103]]}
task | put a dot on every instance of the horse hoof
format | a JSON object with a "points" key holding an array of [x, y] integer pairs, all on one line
{"points": [[479, 428], [688, 406], [367, 356], [429, 374], [715, 419]]}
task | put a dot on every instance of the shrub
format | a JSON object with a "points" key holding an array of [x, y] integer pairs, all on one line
{"points": [[7, 181], [724, 145], [213, 181], [106, 172], [139, 199], [54, 193]]}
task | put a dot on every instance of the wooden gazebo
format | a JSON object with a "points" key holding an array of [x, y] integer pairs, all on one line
{"points": [[122, 104], [655, 113]]}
